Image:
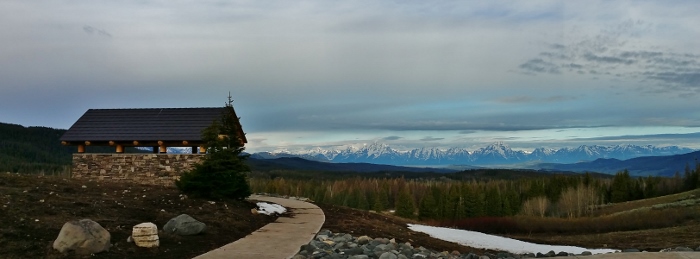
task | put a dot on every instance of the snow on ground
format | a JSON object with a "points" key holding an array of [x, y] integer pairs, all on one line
{"points": [[270, 208], [481, 240]]}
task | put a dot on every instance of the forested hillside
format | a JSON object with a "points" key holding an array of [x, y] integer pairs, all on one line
{"points": [[37, 150], [32, 149]]}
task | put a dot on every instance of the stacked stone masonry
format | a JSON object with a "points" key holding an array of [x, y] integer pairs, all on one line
{"points": [[151, 169]]}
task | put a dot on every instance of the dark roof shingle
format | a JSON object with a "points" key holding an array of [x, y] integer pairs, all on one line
{"points": [[166, 124]]}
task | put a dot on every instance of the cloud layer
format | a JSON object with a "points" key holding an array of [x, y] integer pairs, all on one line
{"points": [[318, 73]]}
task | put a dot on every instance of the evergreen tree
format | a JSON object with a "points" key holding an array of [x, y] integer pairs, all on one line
{"points": [[405, 206], [428, 208], [620, 188], [381, 200], [362, 202], [223, 171]]}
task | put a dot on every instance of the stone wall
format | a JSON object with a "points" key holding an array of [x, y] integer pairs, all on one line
{"points": [[152, 169]]}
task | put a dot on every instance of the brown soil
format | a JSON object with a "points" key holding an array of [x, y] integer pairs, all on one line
{"points": [[33, 209]]}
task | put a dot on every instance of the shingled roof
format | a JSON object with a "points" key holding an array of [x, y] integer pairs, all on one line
{"points": [[144, 125]]}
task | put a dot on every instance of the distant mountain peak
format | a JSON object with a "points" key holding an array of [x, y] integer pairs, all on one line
{"points": [[497, 153]]}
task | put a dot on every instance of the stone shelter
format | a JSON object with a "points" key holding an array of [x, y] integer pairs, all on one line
{"points": [[158, 128]]}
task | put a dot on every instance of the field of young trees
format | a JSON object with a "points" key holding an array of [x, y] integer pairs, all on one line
{"points": [[493, 205]]}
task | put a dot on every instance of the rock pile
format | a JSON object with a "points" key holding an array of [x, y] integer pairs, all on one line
{"points": [[339, 245], [344, 246]]}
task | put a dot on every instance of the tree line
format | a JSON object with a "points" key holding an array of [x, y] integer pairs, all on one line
{"points": [[446, 199]]}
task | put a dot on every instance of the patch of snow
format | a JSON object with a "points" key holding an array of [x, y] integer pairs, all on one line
{"points": [[486, 241], [270, 208]]}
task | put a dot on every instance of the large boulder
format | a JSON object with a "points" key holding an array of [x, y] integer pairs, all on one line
{"points": [[184, 225], [82, 236], [145, 235]]}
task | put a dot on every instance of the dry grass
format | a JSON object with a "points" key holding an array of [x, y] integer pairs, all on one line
{"points": [[632, 205]]}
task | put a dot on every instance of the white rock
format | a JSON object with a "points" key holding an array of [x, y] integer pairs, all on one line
{"points": [[84, 237], [145, 235]]}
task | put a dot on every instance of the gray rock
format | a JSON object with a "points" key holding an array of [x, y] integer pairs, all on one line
{"points": [[388, 255], [325, 232], [84, 237], [551, 254], [630, 250], [363, 240], [697, 249], [353, 251], [299, 257], [562, 253], [184, 225], [471, 256], [540, 255], [381, 247], [359, 257], [586, 253], [400, 256], [528, 255], [683, 249], [484, 257]]}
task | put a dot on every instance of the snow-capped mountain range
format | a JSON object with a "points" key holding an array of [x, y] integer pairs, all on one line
{"points": [[494, 154]]}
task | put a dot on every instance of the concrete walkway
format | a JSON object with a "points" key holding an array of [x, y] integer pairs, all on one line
{"points": [[280, 239], [667, 255]]}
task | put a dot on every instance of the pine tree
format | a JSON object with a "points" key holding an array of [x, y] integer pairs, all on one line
{"points": [[405, 206], [223, 171], [620, 187], [428, 208]]}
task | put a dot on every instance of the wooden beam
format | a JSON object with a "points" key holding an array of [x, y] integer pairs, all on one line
{"points": [[163, 149], [111, 143], [202, 150], [81, 149], [136, 143], [120, 148], [64, 143], [185, 143], [87, 143]]}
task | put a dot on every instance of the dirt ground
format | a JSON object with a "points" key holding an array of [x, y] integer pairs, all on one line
{"points": [[33, 209]]}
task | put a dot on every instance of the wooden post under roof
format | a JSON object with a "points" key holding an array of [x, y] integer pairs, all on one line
{"points": [[202, 150], [81, 149], [163, 149], [120, 148]]}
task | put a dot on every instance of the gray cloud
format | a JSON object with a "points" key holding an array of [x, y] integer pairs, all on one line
{"points": [[540, 66], [430, 138], [390, 138], [95, 31], [667, 70]]}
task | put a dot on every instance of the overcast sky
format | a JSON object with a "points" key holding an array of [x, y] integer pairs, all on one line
{"points": [[406, 73]]}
